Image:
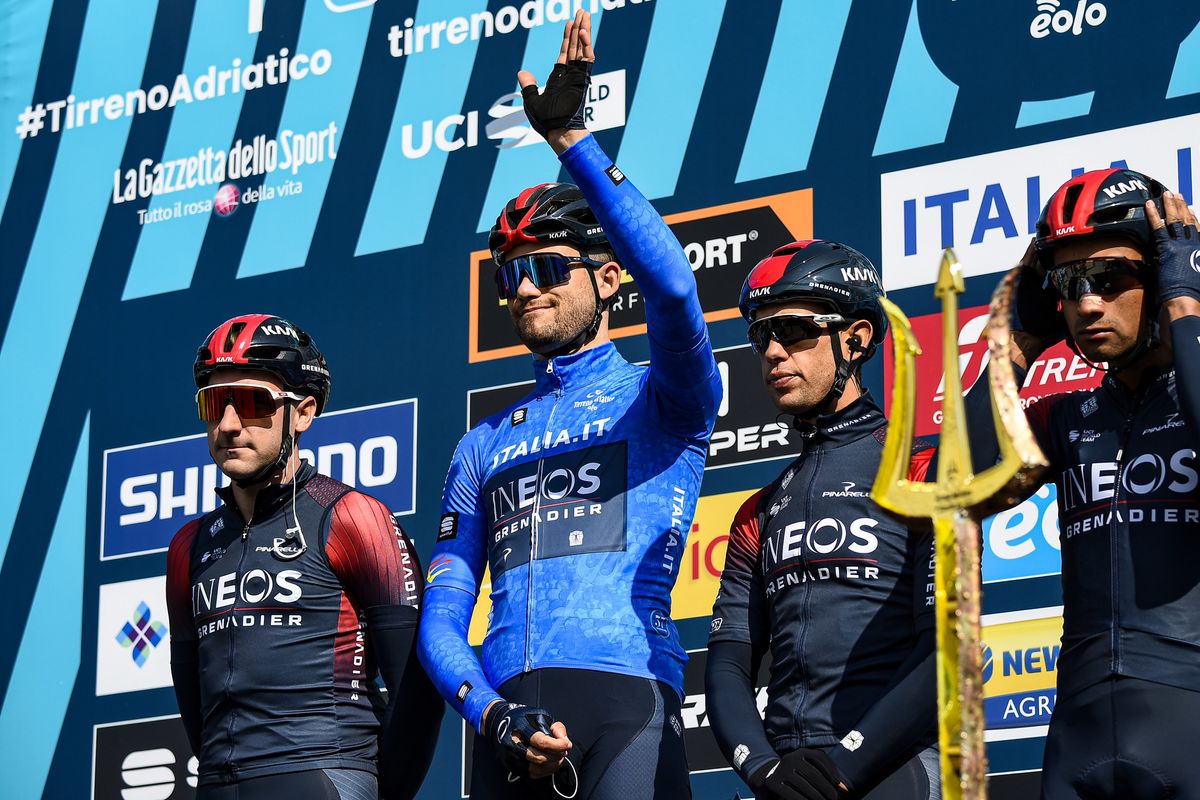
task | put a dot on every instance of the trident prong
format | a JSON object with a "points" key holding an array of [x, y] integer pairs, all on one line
{"points": [[956, 503]]}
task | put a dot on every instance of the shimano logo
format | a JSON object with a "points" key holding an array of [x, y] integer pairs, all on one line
{"points": [[1052, 18]]}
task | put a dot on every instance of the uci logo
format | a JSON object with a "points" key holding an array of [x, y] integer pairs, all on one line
{"points": [[1195, 260], [1061, 20]]}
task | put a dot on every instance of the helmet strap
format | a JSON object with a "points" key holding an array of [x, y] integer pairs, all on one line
{"points": [[844, 370], [588, 333], [281, 461]]}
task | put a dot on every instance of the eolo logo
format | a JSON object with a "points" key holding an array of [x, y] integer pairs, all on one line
{"points": [[1061, 20]]}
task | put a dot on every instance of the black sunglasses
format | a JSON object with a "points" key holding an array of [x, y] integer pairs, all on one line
{"points": [[1103, 276], [543, 269], [790, 329]]}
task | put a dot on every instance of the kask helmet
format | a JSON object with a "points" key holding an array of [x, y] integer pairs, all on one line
{"points": [[270, 343], [1103, 201], [551, 213], [814, 269]]}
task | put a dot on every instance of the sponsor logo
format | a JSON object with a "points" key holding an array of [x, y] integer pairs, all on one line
{"points": [[1019, 687], [614, 174], [1051, 19], [141, 633], [410, 39], [463, 691], [852, 741], [676, 725], [448, 527], [1147, 483], [1174, 420], [133, 644], [715, 625], [1088, 435], [519, 415], [1057, 370], [740, 754], [841, 548], [1089, 406], [1022, 541], [848, 491], [142, 760], [150, 490], [559, 494], [217, 526], [257, 595], [721, 243], [987, 206], [214, 554]]}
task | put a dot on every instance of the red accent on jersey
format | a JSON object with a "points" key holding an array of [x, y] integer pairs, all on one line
{"points": [[179, 582], [372, 557]]}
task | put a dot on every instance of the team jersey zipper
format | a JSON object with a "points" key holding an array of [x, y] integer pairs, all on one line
{"points": [[1113, 554], [533, 528], [229, 763]]}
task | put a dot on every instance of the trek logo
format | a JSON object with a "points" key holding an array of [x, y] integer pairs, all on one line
{"points": [[577, 496], [150, 490], [1051, 18], [1149, 473], [987, 206]]}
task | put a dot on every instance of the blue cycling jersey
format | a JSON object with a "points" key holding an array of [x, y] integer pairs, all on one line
{"points": [[580, 496]]}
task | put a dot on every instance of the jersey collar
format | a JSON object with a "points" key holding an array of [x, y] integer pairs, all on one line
{"points": [[577, 370], [853, 422], [270, 498]]}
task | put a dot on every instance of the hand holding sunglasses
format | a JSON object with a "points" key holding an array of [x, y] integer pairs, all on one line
{"points": [[249, 400], [791, 329]]}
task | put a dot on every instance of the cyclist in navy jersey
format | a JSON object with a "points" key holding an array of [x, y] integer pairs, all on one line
{"points": [[580, 496], [837, 590], [287, 601], [1114, 269]]}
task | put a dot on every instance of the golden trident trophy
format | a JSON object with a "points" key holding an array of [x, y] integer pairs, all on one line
{"points": [[956, 503]]}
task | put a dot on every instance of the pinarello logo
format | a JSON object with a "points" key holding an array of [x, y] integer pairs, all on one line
{"points": [[226, 201]]}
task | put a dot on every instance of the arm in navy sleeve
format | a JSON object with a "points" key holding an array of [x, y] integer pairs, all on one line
{"points": [[893, 727], [379, 571], [1185, 342], [738, 639], [185, 655], [682, 367], [455, 575]]}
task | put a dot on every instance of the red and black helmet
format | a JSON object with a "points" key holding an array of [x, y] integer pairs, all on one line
{"points": [[550, 212], [813, 269], [1103, 201], [270, 343]]}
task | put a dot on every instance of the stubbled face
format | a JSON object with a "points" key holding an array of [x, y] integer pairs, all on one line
{"points": [[241, 447], [1105, 327], [547, 318], [799, 376]]}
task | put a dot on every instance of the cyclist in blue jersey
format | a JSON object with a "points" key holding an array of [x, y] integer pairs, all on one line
{"points": [[837, 590], [1115, 269], [579, 497]]}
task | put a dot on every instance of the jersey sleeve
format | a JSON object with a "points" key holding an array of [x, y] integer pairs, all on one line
{"points": [[185, 656], [1185, 341], [740, 613], [683, 372], [371, 555], [455, 574]]}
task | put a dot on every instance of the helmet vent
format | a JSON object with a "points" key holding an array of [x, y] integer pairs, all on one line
{"points": [[264, 352], [1070, 199], [1112, 214], [235, 330]]}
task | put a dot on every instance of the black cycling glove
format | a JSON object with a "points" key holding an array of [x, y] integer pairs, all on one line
{"points": [[805, 774], [1178, 246], [507, 720], [1035, 308], [561, 103]]}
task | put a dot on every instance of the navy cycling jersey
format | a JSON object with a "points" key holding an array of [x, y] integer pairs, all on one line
{"points": [[1129, 512], [839, 591], [580, 496], [274, 668]]}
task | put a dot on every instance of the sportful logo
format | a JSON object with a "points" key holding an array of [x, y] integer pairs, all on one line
{"points": [[140, 634], [1051, 18]]}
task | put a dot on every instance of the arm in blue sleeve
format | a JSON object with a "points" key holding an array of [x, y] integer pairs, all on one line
{"points": [[681, 360], [1185, 339], [447, 655]]}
